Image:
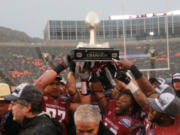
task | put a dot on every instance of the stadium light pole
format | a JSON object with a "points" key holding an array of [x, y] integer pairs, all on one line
{"points": [[123, 18], [152, 52], [124, 38], [167, 41], [167, 34], [124, 29]]}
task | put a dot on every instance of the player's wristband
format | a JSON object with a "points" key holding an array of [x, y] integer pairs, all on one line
{"points": [[136, 73], [132, 87], [59, 68]]}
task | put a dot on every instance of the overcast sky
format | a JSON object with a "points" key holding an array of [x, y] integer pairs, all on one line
{"points": [[31, 16]]}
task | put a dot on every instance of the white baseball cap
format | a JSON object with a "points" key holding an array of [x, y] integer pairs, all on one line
{"points": [[4, 90]]}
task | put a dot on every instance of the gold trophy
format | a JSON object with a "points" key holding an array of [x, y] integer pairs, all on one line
{"points": [[93, 51]]}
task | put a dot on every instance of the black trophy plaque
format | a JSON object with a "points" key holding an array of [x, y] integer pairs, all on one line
{"points": [[95, 54]]}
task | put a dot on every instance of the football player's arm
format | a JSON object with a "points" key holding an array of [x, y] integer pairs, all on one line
{"points": [[146, 87], [138, 95], [50, 75], [71, 87], [141, 80], [45, 79], [76, 97], [84, 99], [97, 90]]}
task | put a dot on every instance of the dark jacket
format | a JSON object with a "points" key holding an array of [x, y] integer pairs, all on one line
{"points": [[10, 127], [103, 130], [41, 125]]}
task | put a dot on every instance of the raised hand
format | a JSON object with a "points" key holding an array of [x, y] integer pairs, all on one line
{"points": [[123, 64]]}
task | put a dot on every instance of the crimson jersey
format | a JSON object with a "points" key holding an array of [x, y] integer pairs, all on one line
{"points": [[168, 130], [58, 108], [121, 125]]}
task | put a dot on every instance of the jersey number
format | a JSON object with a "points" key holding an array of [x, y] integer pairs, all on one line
{"points": [[53, 112]]}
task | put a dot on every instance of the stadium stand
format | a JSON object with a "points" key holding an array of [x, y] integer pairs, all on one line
{"points": [[24, 63]]}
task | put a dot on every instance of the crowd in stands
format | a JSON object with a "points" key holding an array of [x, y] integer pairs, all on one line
{"points": [[114, 98], [25, 63]]}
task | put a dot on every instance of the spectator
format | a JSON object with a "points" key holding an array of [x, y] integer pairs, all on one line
{"points": [[8, 126], [87, 121], [26, 106], [176, 83]]}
